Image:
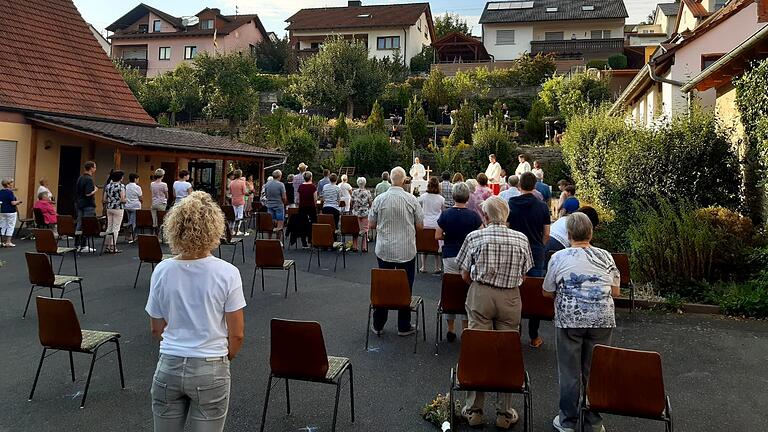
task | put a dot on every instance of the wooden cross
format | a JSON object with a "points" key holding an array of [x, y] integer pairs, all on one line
{"points": [[427, 171]]}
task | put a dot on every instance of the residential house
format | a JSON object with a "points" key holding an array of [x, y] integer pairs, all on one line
{"points": [[157, 42], [665, 16], [406, 27], [105, 45], [655, 92], [694, 12], [643, 39], [572, 30], [62, 102]]}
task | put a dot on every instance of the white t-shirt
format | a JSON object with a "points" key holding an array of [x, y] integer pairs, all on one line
{"points": [[433, 205], [522, 167], [42, 189], [132, 195], [192, 297], [346, 194], [559, 231], [180, 189]]}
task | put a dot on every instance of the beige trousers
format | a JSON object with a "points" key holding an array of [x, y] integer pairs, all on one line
{"points": [[490, 308]]}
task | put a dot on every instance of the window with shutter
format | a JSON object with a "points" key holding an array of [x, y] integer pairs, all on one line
{"points": [[553, 36], [505, 37], [7, 159]]}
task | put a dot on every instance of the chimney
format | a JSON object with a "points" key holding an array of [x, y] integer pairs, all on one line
{"points": [[354, 3]]}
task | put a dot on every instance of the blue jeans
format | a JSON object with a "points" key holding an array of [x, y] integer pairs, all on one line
{"points": [[277, 213], [194, 388], [403, 316], [81, 213]]}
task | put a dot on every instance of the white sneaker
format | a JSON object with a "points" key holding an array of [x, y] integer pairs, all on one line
{"points": [[556, 424], [87, 249]]}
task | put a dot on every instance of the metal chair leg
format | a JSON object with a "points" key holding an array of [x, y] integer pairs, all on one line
{"points": [[253, 281], [287, 280], [423, 323], [437, 330], [287, 397], [61, 263], [262, 278], [336, 406], [295, 281], [74, 256], [37, 374], [29, 297], [120, 363], [311, 251], [88, 381], [351, 393], [82, 300], [242, 250], [266, 404], [72, 366], [416, 336], [368, 328]]}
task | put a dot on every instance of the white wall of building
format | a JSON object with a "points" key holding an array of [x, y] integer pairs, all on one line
{"points": [[523, 38], [581, 29]]}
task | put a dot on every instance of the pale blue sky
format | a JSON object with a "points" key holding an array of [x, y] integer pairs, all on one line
{"points": [[273, 13]]}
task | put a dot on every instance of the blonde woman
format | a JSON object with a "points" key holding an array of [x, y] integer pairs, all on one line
{"points": [[159, 194], [196, 312], [8, 212], [346, 193]]}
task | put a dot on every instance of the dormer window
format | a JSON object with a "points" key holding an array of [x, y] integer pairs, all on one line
{"points": [[143, 28], [206, 24], [156, 26]]}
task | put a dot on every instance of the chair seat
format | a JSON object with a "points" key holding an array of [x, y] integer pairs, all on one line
{"points": [[62, 280], [26, 221], [337, 245], [94, 338], [415, 300], [63, 250], [336, 366], [288, 264]]}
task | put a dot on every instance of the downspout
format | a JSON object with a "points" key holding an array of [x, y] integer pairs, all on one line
{"points": [[405, 45], [657, 78]]}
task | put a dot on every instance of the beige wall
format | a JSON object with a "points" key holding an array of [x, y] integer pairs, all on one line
{"points": [[728, 113], [13, 128]]}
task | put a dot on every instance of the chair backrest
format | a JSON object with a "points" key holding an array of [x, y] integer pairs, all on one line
{"points": [[58, 326], [349, 224], [256, 206], [144, 219], [327, 219], [425, 241], [161, 216], [390, 289], [622, 263], [39, 218], [39, 269], [45, 242], [292, 211], [265, 222], [535, 305], [149, 248], [65, 225], [626, 382], [90, 226], [229, 213], [491, 360], [297, 349], [269, 253], [322, 235], [453, 294]]}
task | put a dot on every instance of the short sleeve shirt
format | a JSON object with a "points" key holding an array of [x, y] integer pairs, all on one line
{"points": [[581, 279], [456, 224], [84, 187], [159, 193], [361, 202], [132, 195], [307, 195], [331, 196], [6, 196], [396, 214], [446, 190], [382, 187], [274, 192], [529, 215], [432, 204], [181, 189], [496, 256], [558, 231], [237, 189], [112, 195]]}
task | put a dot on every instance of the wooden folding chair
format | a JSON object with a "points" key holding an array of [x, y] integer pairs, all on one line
{"points": [[492, 361], [269, 255], [323, 238], [323, 218], [231, 240], [390, 290], [622, 263], [23, 222], [534, 304], [45, 242], [59, 330], [297, 352], [65, 225], [41, 276], [265, 225], [628, 383], [39, 219], [426, 244], [91, 230], [453, 296], [350, 226], [150, 252], [144, 221]]}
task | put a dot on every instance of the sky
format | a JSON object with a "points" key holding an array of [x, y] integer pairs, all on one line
{"points": [[273, 13]]}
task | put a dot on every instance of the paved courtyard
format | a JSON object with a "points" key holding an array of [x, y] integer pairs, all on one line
{"points": [[714, 368]]}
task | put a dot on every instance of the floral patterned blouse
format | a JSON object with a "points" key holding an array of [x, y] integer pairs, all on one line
{"points": [[112, 195], [361, 202]]}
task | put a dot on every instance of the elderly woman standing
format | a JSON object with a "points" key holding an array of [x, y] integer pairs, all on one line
{"points": [[159, 191], [361, 204], [583, 280], [114, 200], [346, 193], [432, 203], [8, 212], [196, 311]]}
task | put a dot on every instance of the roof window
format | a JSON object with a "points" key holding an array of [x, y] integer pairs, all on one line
{"points": [[588, 7], [364, 15], [551, 9]]}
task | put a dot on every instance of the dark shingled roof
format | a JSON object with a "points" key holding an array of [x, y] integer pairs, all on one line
{"points": [[139, 11], [392, 15], [231, 23], [669, 9], [566, 10], [51, 63], [157, 137]]}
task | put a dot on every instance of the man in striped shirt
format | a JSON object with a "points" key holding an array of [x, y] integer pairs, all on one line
{"points": [[396, 215]]}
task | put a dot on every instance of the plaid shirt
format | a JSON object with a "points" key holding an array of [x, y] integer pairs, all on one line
{"points": [[446, 190], [496, 256]]}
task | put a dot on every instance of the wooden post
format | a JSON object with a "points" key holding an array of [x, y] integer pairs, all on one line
{"points": [[91, 150], [31, 189], [117, 159]]}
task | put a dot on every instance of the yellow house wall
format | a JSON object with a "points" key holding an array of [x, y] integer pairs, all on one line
{"points": [[16, 129], [728, 113]]}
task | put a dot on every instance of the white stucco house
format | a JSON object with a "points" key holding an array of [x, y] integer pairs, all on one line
{"points": [[581, 30], [407, 27]]}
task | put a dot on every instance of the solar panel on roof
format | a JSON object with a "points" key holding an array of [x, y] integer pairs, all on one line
{"points": [[551, 9], [520, 4]]}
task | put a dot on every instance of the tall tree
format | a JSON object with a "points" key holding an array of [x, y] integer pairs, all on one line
{"points": [[450, 23], [276, 57], [340, 76], [227, 85]]}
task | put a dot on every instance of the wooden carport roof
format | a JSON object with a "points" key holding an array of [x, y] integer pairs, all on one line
{"points": [[458, 45]]}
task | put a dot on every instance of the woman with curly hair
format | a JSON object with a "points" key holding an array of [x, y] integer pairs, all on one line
{"points": [[196, 311]]}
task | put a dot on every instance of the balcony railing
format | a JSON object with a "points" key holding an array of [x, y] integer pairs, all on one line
{"points": [[140, 64], [583, 46]]}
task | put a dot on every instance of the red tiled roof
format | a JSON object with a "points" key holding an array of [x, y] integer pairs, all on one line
{"points": [[50, 62], [393, 15]]}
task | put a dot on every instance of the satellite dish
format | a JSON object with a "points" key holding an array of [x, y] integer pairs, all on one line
{"points": [[187, 21]]}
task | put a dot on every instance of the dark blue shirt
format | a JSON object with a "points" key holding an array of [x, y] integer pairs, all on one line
{"points": [[6, 196], [456, 224], [544, 190], [529, 215]]}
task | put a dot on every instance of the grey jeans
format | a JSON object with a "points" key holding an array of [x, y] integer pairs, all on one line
{"points": [[574, 358], [194, 388]]}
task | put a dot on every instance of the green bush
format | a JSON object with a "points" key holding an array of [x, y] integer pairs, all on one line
{"points": [[535, 125], [577, 94], [396, 97], [375, 122], [490, 137], [463, 120], [416, 121], [749, 299], [422, 62], [618, 61], [597, 64], [299, 145], [371, 153], [341, 130]]}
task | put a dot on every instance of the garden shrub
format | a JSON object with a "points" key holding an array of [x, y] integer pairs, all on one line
{"points": [[618, 61], [535, 124], [449, 157], [749, 299], [341, 130], [396, 97], [375, 122], [299, 145], [597, 64], [577, 94], [416, 121], [370, 153], [463, 120], [491, 137]]}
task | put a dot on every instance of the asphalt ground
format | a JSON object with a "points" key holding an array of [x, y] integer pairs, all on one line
{"points": [[714, 367]]}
